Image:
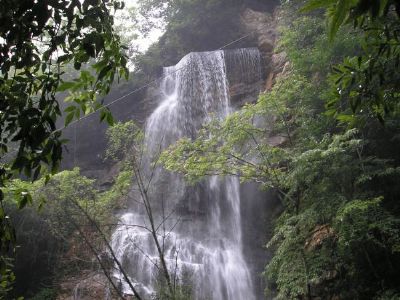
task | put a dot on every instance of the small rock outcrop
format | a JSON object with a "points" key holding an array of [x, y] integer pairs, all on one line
{"points": [[318, 236], [263, 26], [88, 286]]}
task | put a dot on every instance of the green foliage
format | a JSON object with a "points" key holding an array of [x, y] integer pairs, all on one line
{"points": [[334, 181], [361, 221], [39, 40], [287, 267], [32, 69], [324, 181], [242, 144], [365, 84], [7, 278], [123, 138], [341, 11], [114, 197], [305, 41], [339, 232], [388, 295], [50, 246]]}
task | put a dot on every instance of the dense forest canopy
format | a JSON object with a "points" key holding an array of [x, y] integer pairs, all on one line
{"points": [[335, 107]]}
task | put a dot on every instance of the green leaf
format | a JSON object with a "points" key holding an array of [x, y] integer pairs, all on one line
{"points": [[70, 108], [110, 119], [383, 5], [47, 179], [24, 199], [316, 4], [69, 118], [66, 85], [104, 72], [37, 173], [340, 14], [103, 115], [345, 118]]}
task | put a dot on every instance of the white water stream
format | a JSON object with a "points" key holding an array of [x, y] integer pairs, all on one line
{"points": [[199, 227]]}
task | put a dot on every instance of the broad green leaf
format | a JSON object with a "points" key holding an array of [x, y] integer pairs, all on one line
{"points": [[316, 4], [66, 85], [109, 118], [104, 72], [69, 118], [341, 12], [70, 108]]}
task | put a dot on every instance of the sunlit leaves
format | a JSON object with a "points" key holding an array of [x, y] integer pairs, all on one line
{"points": [[240, 144], [123, 139], [316, 4], [224, 149]]}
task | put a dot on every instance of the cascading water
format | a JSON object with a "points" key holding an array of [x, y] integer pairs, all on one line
{"points": [[199, 228]]}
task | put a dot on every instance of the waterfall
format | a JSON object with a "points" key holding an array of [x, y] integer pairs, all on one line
{"points": [[199, 227]]}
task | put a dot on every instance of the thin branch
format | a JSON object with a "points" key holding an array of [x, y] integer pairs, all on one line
{"points": [[94, 251], [110, 249]]}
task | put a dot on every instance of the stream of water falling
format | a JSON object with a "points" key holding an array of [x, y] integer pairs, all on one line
{"points": [[201, 233]]}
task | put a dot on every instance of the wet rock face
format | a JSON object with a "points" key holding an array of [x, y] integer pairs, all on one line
{"points": [[263, 26], [244, 68]]}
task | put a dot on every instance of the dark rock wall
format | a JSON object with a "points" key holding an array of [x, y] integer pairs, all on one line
{"points": [[87, 137]]}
